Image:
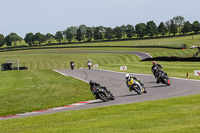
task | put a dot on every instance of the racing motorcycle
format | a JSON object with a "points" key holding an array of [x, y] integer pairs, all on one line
{"points": [[102, 93], [72, 66], [89, 64], [137, 87], [164, 78], [161, 76]]}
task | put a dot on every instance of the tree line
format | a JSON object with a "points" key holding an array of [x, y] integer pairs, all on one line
{"points": [[100, 33]]}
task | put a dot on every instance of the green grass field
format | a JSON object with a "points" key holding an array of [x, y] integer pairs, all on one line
{"points": [[40, 88], [26, 91], [174, 115]]}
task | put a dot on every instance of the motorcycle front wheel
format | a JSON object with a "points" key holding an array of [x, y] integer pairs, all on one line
{"points": [[103, 96], [137, 89]]}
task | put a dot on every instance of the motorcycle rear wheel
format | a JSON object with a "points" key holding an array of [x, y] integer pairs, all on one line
{"points": [[167, 81], [112, 97]]}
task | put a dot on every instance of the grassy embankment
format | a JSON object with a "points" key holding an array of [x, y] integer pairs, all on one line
{"points": [[165, 42]]}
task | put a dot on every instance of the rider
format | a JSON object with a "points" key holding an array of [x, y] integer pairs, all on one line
{"points": [[89, 63], [157, 67], [72, 62], [94, 85], [129, 78]]}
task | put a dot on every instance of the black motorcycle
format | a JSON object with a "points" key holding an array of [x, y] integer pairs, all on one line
{"points": [[161, 76], [103, 94], [72, 66], [164, 78]]}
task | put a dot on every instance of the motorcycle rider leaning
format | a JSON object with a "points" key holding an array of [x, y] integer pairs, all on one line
{"points": [[157, 67], [94, 85], [71, 64], [128, 78]]}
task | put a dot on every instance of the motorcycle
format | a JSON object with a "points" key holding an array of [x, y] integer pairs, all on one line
{"points": [[139, 90], [72, 66], [164, 78], [89, 64], [135, 85], [103, 94], [161, 76]]}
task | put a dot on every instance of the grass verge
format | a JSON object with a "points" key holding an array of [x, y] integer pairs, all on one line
{"points": [[176, 115], [25, 91]]}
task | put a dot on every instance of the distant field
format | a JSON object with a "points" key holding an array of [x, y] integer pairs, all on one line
{"points": [[60, 58], [166, 42]]}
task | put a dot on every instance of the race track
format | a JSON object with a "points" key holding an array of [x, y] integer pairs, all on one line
{"points": [[115, 82]]}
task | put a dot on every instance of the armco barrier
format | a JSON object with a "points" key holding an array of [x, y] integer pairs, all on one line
{"points": [[188, 59]]}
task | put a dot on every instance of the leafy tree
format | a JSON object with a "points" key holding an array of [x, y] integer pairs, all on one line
{"points": [[97, 33], [187, 27], [179, 21], [162, 29], [89, 34], [118, 32], [173, 27], [74, 31], [167, 23], [79, 35], [2, 40], [29, 39], [83, 29], [102, 30], [140, 29], [109, 33], [49, 37], [14, 38], [151, 28], [123, 31], [59, 36], [8, 40], [68, 34], [129, 31], [196, 26], [39, 37]]}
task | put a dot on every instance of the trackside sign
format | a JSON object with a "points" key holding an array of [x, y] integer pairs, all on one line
{"points": [[196, 72], [123, 68], [96, 65]]}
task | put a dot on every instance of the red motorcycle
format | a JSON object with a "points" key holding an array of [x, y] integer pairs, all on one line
{"points": [[89, 64]]}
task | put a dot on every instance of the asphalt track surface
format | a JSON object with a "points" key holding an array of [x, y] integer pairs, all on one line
{"points": [[115, 82]]}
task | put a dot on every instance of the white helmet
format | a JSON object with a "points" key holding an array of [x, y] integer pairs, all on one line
{"points": [[127, 76]]}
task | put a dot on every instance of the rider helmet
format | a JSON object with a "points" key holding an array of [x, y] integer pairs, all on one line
{"points": [[127, 76], [91, 82], [154, 62]]}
